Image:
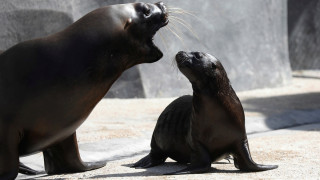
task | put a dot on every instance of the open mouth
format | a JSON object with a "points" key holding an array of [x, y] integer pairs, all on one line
{"points": [[157, 20], [151, 43], [164, 21]]}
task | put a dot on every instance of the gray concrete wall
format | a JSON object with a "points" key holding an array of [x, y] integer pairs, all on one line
{"points": [[304, 34], [248, 36]]}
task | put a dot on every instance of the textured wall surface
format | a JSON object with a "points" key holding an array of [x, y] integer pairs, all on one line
{"points": [[304, 34], [248, 36]]}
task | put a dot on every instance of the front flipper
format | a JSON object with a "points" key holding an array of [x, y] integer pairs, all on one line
{"points": [[200, 162], [149, 161], [23, 169], [229, 158], [64, 157], [244, 162]]}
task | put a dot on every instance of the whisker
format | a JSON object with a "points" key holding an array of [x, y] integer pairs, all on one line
{"points": [[163, 41], [177, 12], [184, 45], [173, 62], [182, 11], [175, 34], [174, 65], [181, 20], [178, 9], [186, 25], [178, 31], [174, 27]]}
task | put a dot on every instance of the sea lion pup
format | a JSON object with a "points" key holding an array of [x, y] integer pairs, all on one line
{"points": [[49, 86], [205, 127]]}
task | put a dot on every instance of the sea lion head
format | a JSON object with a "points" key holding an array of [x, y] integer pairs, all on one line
{"points": [[140, 22], [120, 34], [203, 70]]}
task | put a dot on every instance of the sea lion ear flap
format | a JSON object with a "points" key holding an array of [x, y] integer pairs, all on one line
{"points": [[129, 21]]}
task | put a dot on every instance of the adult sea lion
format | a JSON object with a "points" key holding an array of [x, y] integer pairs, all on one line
{"points": [[205, 127], [48, 86]]}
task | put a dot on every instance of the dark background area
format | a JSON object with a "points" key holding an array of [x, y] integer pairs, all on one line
{"points": [[304, 34]]}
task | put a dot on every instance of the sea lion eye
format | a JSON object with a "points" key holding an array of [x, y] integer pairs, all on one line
{"points": [[197, 55], [213, 66], [146, 10]]}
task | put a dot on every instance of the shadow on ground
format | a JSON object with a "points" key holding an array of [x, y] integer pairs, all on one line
{"points": [[306, 76], [286, 111], [158, 171]]}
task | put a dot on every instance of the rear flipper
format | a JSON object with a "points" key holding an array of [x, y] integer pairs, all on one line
{"points": [[154, 158], [23, 169], [244, 162], [229, 158], [150, 160]]}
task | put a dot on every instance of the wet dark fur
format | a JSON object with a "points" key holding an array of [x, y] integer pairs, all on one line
{"points": [[49, 85], [205, 127]]}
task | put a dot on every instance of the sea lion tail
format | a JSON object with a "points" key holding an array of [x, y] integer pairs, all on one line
{"points": [[244, 162]]}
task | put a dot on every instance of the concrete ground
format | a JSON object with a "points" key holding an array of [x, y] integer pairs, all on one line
{"points": [[283, 125]]}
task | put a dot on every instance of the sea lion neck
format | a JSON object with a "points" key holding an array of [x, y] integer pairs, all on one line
{"points": [[200, 99]]}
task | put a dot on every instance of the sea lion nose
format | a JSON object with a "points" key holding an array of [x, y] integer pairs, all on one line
{"points": [[161, 6], [180, 55], [197, 55], [164, 14]]}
